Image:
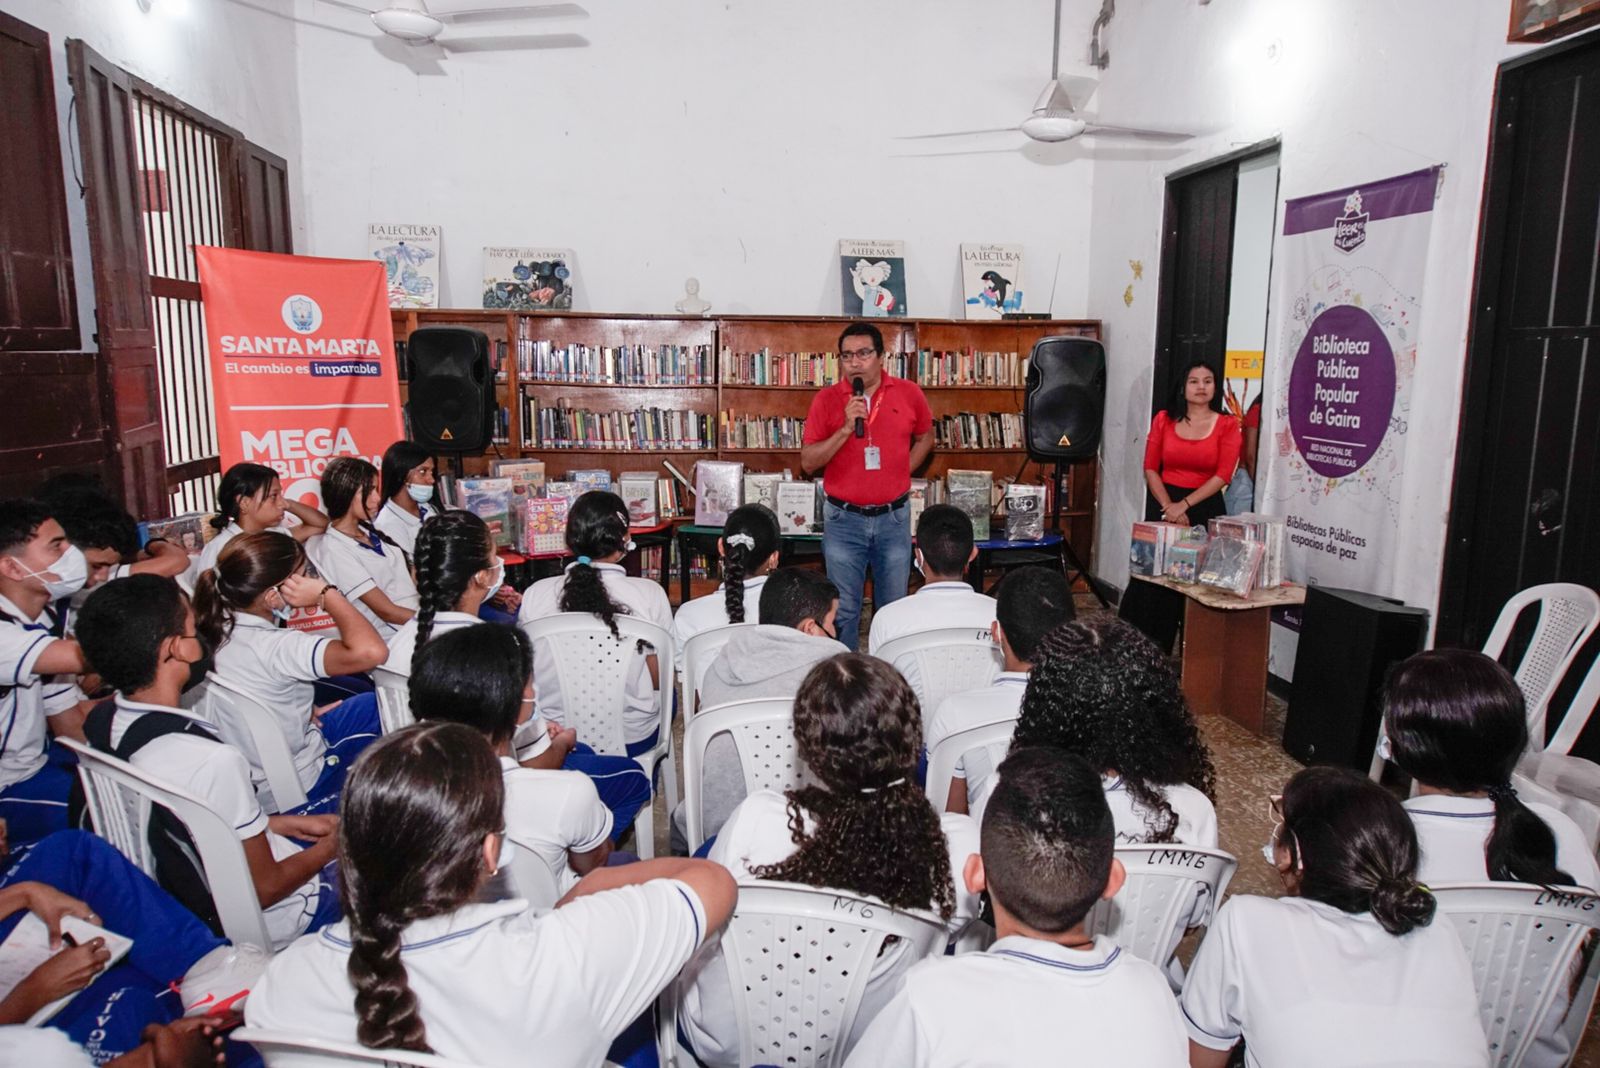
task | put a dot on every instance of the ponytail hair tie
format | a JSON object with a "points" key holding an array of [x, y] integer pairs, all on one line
{"points": [[744, 541], [874, 789], [1504, 792], [585, 561]]}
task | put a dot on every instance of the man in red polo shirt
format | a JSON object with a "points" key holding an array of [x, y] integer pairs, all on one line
{"points": [[867, 479]]}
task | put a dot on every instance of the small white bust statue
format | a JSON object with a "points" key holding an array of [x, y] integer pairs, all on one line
{"points": [[691, 304]]}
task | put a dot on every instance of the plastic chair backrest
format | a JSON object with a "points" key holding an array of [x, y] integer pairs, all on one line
{"points": [[947, 660], [698, 654], [394, 698], [252, 728], [119, 797], [1568, 615], [591, 669], [763, 733], [942, 760], [533, 877], [1523, 941], [803, 957], [280, 1050], [1578, 712], [1151, 912]]}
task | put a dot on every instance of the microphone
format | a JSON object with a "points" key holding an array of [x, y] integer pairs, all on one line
{"points": [[858, 388]]}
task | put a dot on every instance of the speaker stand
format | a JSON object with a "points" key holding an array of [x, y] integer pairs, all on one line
{"points": [[1067, 551]]}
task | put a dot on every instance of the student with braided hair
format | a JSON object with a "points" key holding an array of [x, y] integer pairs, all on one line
{"points": [[749, 550], [419, 964], [864, 826], [367, 564]]}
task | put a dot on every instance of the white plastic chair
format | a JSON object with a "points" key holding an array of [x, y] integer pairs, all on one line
{"points": [[397, 688], [942, 759], [1568, 615], [119, 797], [533, 878], [591, 669], [802, 957], [763, 733], [938, 663], [281, 1050], [698, 653], [252, 728], [1151, 912], [1523, 942], [1556, 777]]}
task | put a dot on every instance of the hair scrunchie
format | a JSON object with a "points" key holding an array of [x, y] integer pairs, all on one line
{"points": [[585, 561], [1504, 792], [744, 541]]}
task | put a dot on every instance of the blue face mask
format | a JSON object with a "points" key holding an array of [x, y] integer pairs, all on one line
{"points": [[420, 494], [281, 611]]}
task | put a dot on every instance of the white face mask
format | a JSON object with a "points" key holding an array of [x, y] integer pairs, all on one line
{"points": [[71, 571], [1384, 750], [420, 494], [499, 580]]}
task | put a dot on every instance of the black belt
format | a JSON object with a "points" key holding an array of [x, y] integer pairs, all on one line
{"points": [[869, 509]]}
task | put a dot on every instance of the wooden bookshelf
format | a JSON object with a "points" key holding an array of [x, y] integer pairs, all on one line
{"points": [[741, 334]]}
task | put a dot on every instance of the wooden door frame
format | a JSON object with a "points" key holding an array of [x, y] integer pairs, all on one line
{"points": [[1482, 328]]}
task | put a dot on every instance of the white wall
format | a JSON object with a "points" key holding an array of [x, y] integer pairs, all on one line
{"points": [[231, 59], [732, 140], [1359, 90]]}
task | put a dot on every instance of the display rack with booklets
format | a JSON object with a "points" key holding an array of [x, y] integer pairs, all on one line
{"points": [[638, 388]]}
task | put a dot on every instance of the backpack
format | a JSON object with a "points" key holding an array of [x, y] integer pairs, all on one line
{"points": [[178, 867]]}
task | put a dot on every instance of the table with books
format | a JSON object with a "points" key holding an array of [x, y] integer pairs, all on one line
{"points": [[1016, 553]]}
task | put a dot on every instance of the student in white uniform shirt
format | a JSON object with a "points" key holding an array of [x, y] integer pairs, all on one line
{"points": [[242, 605], [1455, 722], [482, 677], [597, 533], [864, 827], [1045, 992], [1352, 966], [249, 500], [371, 569], [407, 487], [417, 964], [109, 539], [140, 633], [944, 549], [1031, 602], [749, 550]]}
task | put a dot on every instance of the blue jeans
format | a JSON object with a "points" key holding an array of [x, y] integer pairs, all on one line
{"points": [[851, 544]]}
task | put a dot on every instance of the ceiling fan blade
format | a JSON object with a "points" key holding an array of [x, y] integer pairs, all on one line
{"points": [[520, 11], [514, 43], [1134, 131], [361, 8], [957, 133], [959, 152]]}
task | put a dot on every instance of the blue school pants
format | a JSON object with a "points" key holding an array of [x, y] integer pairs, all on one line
{"points": [[348, 728], [338, 687], [623, 786], [37, 806]]}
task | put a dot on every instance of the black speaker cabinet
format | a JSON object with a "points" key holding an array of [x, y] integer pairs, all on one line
{"points": [[1348, 643], [1066, 398], [452, 402]]}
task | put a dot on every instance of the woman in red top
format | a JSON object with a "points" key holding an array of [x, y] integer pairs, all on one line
{"points": [[1192, 452]]}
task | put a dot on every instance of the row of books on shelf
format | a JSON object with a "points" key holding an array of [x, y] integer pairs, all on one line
{"points": [[1237, 553], [761, 432], [622, 365], [928, 367], [978, 430], [563, 426]]}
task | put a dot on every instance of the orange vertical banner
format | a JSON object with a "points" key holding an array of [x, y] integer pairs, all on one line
{"points": [[302, 362]]}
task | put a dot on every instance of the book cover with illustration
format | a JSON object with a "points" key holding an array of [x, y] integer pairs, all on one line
{"points": [[797, 507], [991, 280], [490, 500], [638, 491], [527, 279], [973, 493], [409, 253], [544, 525], [761, 487], [872, 278], [716, 491], [189, 531]]}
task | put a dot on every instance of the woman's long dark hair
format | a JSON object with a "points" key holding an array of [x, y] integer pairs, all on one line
{"points": [[1101, 689], [1354, 848], [474, 675], [250, 565], [597, 526], [1178, 403], [858, 727], [451, 548], [399, 460], [239, 482], [756, 523], [1456, 721], [412, 821], [346, 479]]}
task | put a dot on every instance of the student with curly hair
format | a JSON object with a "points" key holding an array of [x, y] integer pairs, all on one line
{"points": [[864, 827], [597, 533], [249, 500], [749, 550], [1349, 966], [1100, 689], [368, 565], [419, 964]]}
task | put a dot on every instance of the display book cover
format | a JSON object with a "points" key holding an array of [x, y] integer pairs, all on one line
{"points": [[527, 480], [409, 253], [717, 484], [991, 280], [761, 487], [872, 278], [1230, 564], [191, 531], [544, 525], [973, 493], [1024, 512], [638, 491], [797, 507], [527, 278], [490, 500], [1147, 551]]}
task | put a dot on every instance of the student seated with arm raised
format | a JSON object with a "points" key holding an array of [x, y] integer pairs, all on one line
{"points": [[418, 964], [1032, 601], [249, 500], [242, 605], [944, 549], [140, 634], [1045, 992], [39, 697], [356, 556], [109, 539]]}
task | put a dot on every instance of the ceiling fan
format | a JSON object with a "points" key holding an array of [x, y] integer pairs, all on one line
{"points": [[1055, 117], [411, 22]]}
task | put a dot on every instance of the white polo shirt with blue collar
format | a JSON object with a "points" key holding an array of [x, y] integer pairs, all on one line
{"points": [[359, 566], [30, 698]]}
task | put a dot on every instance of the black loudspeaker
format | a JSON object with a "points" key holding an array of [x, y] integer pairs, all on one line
{"points": [[1066, 398], [1348, 643], [452, 405]]}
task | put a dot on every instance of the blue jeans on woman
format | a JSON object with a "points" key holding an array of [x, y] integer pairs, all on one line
{"points": [[851, 545]]}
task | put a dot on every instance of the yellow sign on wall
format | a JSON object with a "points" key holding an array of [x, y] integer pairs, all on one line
{"points": [[1242, 363]]}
